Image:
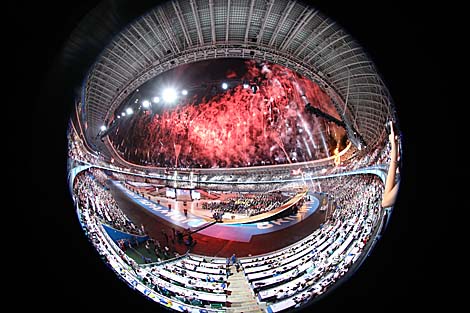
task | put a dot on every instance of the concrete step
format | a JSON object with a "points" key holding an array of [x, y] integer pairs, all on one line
{"points": [[241, 298]]}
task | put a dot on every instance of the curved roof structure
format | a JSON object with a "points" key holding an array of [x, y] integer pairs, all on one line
{"points": [[289, 33]]}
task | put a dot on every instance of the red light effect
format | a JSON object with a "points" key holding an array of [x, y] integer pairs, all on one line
{"points": [[238, 127]]}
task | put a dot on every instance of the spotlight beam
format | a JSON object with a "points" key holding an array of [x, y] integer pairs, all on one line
{"points": [[169, 95]]}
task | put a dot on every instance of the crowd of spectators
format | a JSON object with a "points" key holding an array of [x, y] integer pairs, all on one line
{"points": [[188, 273], [96, 197], [112, 254], [332, 249], [77, 150], [155, 277], [355, 159], [248, 205]]}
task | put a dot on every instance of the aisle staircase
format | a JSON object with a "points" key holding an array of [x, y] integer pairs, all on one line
{"points": [[241, 297]]}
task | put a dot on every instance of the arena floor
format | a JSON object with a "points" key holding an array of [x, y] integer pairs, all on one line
{"points": [[219, 240]]}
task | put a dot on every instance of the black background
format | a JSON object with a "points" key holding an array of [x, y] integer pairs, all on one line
{"points": [[55, 266]]}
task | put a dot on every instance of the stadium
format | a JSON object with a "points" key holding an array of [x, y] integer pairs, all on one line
{"points": [[232, 156]]}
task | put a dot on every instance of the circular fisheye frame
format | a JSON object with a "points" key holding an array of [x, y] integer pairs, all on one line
{"points": [[234, 162]]}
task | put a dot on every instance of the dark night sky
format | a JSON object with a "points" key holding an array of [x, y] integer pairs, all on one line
{"points": [[397, 36]]}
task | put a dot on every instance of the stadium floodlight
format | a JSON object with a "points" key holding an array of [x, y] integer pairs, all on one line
{"points": [[103, 128], [129, 111], [184, 92], [224, 86], [156, 99], [145, 104], [169, 95]]}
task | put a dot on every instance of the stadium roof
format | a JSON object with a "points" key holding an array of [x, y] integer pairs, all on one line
{"points": [[290, 33]]}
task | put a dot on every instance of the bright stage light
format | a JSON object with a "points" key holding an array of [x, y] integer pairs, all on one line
{"points": [[129, 111], [123, 113], [224, 86], [103, 128], [156, 99], [184, 92], [146, 103], [169, 95]]}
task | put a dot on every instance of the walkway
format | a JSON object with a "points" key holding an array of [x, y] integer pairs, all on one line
{"points": [[242, 298]]}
